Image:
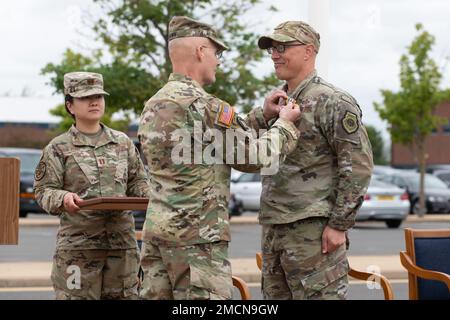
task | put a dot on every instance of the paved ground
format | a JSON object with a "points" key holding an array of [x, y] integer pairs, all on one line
{"points": [[25, 269], [357, 291]]}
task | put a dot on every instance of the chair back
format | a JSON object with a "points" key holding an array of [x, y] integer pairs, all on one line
{"points": [[430, 250]]}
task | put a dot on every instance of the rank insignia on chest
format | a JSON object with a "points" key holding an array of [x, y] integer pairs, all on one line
{"points": [[350, 122], [225, 116], [101, 162]]}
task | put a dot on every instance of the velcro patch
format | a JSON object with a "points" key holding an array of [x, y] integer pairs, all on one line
{"points": [[40, 171], [226, 114], [101, 162], [350, 122]]}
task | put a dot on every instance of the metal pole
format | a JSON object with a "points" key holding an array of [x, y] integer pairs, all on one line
{"points": [[319, 17]]}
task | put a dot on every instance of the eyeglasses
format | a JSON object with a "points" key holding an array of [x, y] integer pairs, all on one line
{"points": [[280, 48], [218, 53]]}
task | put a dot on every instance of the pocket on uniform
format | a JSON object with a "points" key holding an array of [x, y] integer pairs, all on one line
{"points": [[88, 166], [121, 175], [310, 229], [319, 280], [130, 287], [205, 286], [68, 286]]}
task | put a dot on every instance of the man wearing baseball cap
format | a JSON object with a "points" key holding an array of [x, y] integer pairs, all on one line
{"points": [[187, 229], [307, 207]]}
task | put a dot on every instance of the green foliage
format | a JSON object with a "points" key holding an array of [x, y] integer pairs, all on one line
{"points": [[120, 79], [377, 145], [135, 35], [410, 111]]}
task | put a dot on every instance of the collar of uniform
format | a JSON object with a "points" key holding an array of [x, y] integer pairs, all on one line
{"points": [[302, 85], [79, 139], [185, 79]]}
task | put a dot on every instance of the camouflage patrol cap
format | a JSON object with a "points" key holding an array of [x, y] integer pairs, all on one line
{"points": [[291, 31], [182, 26], [83, 84]]}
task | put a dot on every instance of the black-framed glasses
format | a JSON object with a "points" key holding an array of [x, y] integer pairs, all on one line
{"points": [[280, 48], [217, 53]]}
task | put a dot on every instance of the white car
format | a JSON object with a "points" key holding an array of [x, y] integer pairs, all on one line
{"points": [[246, 191], [384, 202]]}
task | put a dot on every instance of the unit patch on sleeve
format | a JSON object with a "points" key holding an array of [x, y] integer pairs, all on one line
{"points": [[40, 171], [350, 122]]}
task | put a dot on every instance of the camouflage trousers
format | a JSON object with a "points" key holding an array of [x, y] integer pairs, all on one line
{"points": [[195, 272], [95, 274], [294, 266]]}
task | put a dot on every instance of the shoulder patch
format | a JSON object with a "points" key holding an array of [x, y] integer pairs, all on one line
{"points": [[350, 122], [225, 115], [40, 171]]}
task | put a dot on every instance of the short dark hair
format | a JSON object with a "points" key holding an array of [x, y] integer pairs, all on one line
{"points": [[68, 98]]}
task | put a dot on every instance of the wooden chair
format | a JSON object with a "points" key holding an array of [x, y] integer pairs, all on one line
{"points": [[242, 287], [365, 276], [427, 260]]}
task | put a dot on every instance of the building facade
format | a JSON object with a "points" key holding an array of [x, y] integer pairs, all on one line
{"points": [[437, 144]]}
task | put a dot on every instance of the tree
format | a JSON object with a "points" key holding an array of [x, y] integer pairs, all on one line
{"points": [[135, 34], [410, 111], [120, 80], [377, 145]]}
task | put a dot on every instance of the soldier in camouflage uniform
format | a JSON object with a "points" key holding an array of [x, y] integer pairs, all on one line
{"points": [[186, 232], [96, 251], [307, 207]]}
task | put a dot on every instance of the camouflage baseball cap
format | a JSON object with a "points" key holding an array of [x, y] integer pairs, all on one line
{"points": [[291, 31], [83, 84], [182, 26]]}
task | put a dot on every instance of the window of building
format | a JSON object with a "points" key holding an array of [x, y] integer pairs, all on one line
{"points": [[446, 128]]}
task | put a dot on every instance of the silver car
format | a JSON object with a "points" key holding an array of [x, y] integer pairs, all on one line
{"points": [[384, 202], [246, 191]]}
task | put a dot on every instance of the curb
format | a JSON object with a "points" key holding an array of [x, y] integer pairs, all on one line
{"points": [[253, 219], [235, 220]]}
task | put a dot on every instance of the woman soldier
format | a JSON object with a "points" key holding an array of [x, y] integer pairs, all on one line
{"points": [[96, 252]]}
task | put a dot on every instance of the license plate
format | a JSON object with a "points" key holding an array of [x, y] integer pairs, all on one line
{"points": [[385, 198]]}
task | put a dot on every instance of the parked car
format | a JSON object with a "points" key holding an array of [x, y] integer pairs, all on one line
{"points": [[436, 191], [246, 192], [29, 159], [431, 168], [235, 175], [444, 175], [384, 202], [380, 171]]}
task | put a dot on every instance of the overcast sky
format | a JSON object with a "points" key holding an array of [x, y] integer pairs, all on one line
{"points": [[364, 42]]}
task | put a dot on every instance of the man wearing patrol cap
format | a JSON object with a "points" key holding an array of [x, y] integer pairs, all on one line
{"points": [[96, 252], [307, 207], [186, 232]]}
